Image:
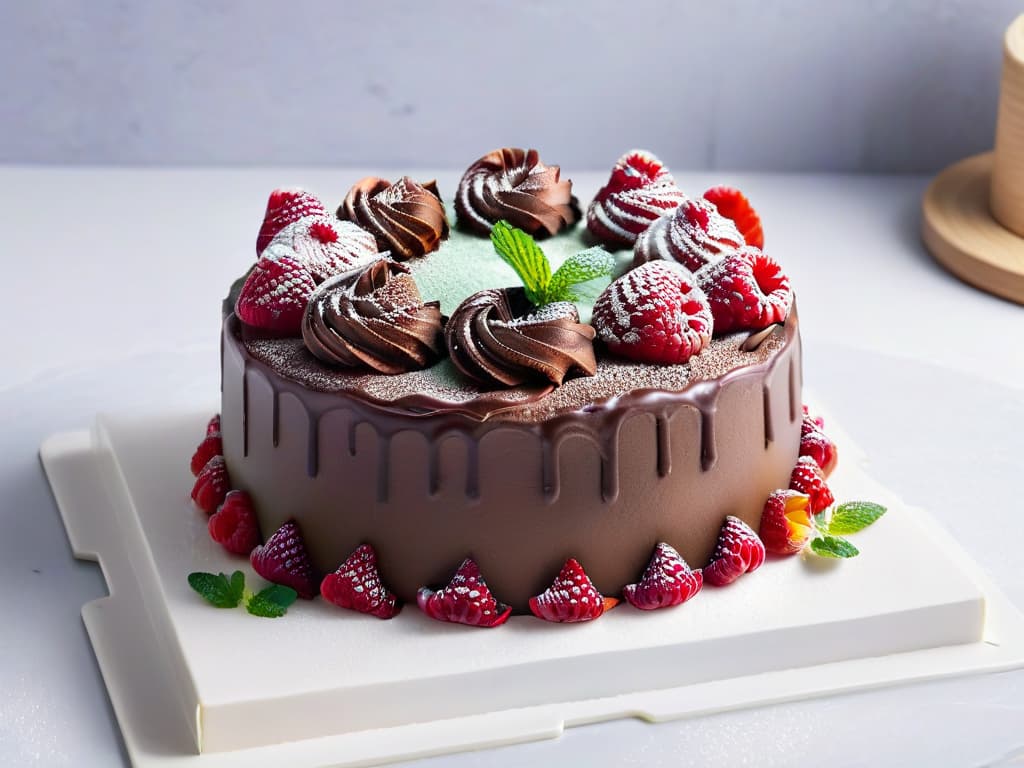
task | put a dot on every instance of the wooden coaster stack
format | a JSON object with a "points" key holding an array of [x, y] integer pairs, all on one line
{"points": [[974, 210]]}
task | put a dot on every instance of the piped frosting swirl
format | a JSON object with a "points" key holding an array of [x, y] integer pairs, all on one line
{"points": [[373, 317], [407, 218], [495, 339], [694, 234], [514, 185], [639, 190]]}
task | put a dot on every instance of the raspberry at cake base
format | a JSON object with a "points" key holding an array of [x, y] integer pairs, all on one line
{"points": [[435, 461]]}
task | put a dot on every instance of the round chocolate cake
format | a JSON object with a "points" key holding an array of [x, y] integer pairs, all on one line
{"points": [[389, 381]]}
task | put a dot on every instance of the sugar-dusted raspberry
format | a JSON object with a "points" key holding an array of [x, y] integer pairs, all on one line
{"points": [[275, 294], [234, 525], [206, 450], [667, 581], [808, 478], [738, 551], [693, 235], [284, 207], [212, 485], [324, 245], [818, 446], [465, 600], [654, 314], [571, 597], [284, 560], [357, 586], [747, 291], [786, 522], [639, 191], [734, 205]]}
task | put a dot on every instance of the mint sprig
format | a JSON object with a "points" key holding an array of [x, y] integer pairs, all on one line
{"points": [[223, 591], [832, 524], [521, 252]]}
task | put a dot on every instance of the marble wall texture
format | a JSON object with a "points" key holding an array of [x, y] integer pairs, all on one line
{"points": [[787, 85]]}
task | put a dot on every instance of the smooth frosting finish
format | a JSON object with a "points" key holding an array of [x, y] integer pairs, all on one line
{"points": [[639, 190], [407, 218], [324, 245], [497, 338], [514, 185], [373, 318], [694, 234]]}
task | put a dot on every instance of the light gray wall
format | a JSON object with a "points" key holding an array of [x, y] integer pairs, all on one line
{"points": [[873, 85]]}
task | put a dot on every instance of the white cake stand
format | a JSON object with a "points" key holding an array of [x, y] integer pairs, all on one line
{"points": [[194, 686]]}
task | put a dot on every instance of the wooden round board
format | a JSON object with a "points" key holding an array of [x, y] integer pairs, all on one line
{"points": [[959, 230]]}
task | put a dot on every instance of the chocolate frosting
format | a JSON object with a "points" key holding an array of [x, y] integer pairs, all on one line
{"points": [[407, 218], [495, 339], [514, 185], [373, 317]]}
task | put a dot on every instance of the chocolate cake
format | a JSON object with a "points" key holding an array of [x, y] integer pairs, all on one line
{"points": [[386, 383]]}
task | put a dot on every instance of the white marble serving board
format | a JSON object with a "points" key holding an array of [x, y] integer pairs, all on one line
{"points": [[325, 687]]}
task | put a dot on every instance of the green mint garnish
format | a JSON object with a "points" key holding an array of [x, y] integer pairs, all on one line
{"points": [[521, 252], [854, 516], [218, 590], [223, 591], [833, 546], [272, 602]]}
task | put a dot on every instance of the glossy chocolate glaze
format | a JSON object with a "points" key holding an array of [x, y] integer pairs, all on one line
{"points": [[428, 483]]}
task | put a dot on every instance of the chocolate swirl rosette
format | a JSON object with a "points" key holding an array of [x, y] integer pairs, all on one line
{"points": [[373, 318], [515, 186], [407, 218], [498, 338]]}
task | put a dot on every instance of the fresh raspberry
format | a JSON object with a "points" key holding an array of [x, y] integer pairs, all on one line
{"points": [[284, 560], [816, 421], [734, 205], [211, 485], [818, 446], [786, 522], [747, 291], [466, 600], [654, 314], [693, 235], [324, 246], [213, 425], [284, 207], [571, 597], [738, 551], [210, 447], [356, 585], [639, 190], [234, 525], [667, 581], [808, 478], [274, 295]]}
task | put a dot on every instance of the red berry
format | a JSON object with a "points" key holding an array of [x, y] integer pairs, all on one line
{"points": [[654, 314], [808, 478], [284, 560], [639, 190], [747, 291], [356, 585], [210, 447], [466, 600], [818, 446], [213, 426], [817, 421], [211, 485], [323, 245], [274, 295], [786, 522], [694, 235], [571, 597], [734, 205], [284, 207], [738, 551], [667, 581], [234, 525]]}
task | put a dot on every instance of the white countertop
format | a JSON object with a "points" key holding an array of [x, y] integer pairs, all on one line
{"points": [[112, 281]]}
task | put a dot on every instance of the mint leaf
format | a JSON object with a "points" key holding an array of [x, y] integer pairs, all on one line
{"points": [[522, 253], [216, 590], [237, 586], [854, 516], [272, 602], [579, 268], [833, 546]]}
